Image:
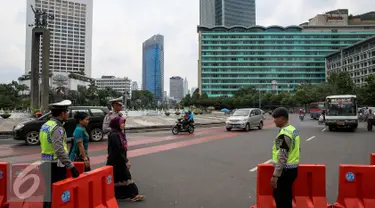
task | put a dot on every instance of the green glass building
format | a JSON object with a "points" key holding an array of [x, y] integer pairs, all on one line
{"points": [[270, 58]]}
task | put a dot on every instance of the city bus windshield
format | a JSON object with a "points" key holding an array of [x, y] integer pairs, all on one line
{"points": [[341, 107]]}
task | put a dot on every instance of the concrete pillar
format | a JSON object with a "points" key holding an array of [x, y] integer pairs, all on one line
{"points": [[45, 70], [39, 97], [34, 85]]}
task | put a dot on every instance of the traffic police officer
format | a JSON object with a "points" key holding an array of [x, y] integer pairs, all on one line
{"points": [[117, 106], [285, 157], [54, 148]]}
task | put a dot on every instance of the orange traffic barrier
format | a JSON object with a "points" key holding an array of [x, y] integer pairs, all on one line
{"points": [[3, 182], [356, 186], [309, 189], [94, 189], [36, 198], [372, 159]]}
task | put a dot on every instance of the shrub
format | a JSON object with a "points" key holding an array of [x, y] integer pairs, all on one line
{"points": [[5, 115]]}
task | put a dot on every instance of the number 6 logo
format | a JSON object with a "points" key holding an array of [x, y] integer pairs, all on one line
{"points": [[22, 178]]}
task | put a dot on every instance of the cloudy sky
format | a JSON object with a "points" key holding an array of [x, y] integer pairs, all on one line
{"points": [[120, 27]]}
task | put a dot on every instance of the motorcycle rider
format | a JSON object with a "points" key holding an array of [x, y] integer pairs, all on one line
{"points": [[188, 118], [301, 114]]}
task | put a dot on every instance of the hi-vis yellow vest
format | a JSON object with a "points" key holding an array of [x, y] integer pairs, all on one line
{"points": [[294, 149], [45, 138]]}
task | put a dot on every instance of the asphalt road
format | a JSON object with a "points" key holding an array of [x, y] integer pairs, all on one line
{"points": [[216, 168]]}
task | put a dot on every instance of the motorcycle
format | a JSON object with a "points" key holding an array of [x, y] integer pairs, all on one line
{"points": [[301, 117], [179, 127], [321, 120]]}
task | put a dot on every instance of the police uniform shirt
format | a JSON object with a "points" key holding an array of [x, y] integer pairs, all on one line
{"points": [[107, 120], [58, 145]]}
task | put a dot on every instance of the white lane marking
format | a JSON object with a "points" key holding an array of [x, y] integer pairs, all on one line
{"points": [[324, 129], [256, 168], [310, 138]]}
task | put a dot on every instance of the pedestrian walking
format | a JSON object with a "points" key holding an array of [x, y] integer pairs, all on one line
{"points": [[54, 149], [285, 158], [370, 120], [117, 106], [125, 188], [80, 143]]}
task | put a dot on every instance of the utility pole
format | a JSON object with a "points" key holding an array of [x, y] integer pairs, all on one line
{"points": [[260, 100]]}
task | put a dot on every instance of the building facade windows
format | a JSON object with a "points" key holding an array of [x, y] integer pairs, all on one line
{"points": [[153, 66], [358, 60], [236, 57]]}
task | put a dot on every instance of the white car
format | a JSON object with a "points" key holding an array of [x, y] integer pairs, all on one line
{"points": [[245, 118]]}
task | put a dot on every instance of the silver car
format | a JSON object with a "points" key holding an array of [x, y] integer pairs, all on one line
{"points": [[245, 118]]}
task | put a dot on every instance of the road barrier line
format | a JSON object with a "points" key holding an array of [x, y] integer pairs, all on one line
{"points": [[310, 138], [256, 168]]}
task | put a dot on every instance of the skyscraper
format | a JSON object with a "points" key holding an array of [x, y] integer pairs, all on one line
{"points": [[227, 13], [153, 66], [176, 88], [134, 86], [71, 34], [186, 87]]}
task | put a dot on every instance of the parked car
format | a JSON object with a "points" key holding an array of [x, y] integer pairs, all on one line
{"points": [[29, 130], [245, 118]]}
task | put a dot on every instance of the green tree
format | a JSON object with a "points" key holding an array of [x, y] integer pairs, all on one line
{"points": [[341, 83]]}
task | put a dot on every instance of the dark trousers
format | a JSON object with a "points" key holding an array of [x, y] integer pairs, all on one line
{"points": [[369, 124], [283, 193], [52, 174]]}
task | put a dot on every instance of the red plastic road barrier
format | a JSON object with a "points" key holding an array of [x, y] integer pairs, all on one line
{"points": [[3, 182], [356, 186], [309, 189], [35, 201], [94, 189], [372, 159]]}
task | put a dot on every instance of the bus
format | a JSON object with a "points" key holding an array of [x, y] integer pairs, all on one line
{"points": [[341, 112], [316, 109]]}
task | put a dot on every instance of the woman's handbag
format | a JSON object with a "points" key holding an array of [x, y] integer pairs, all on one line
{"points": [[79, 158]]}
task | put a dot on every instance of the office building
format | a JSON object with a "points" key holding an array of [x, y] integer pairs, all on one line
{"points": [[122, 85], [70, 45], [270, 58], [153, 66], [227, 13], [176, 88], [134, 86], [358, 60], [186, 87], [71, 34]]}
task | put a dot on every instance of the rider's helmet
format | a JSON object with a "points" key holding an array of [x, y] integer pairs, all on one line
{"points": [[186, 111]]}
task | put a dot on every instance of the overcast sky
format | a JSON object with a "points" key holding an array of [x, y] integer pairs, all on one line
{"points": [[120, 27]]}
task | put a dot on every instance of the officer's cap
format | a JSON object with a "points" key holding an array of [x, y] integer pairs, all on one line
{"points": [[117, 101], [61, 105], [280, 112]]}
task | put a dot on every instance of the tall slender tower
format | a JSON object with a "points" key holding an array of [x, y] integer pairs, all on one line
{"points": [[153, 66]]}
